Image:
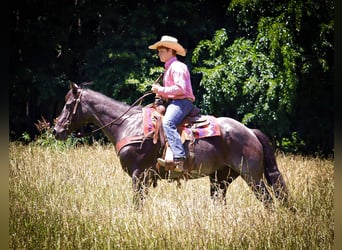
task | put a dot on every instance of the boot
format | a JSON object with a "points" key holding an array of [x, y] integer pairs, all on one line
{"points": [[177, 163], [165, 163]]}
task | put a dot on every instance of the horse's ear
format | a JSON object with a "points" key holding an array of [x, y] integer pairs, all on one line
{"points": [[83, 84], [73, 87]]}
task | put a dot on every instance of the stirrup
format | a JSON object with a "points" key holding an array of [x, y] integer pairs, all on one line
{"points": [[179, 166], [165, 163]]}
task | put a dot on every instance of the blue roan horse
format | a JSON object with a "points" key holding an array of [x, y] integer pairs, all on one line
{"points": [[238, 151]]}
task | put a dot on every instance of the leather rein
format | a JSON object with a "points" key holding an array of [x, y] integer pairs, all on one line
{"points": [[139, 100]]}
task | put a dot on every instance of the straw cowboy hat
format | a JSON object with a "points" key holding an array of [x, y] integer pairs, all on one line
{"points": [[169, 42]]}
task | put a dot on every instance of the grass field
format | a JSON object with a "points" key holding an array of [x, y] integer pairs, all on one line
{"points": [[80, 198]]}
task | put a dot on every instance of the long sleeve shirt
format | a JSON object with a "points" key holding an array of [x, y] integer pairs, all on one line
{"points": [[176, 81]]}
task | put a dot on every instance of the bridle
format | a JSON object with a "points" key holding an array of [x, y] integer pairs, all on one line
{"points": [[116, 119], [78, 100], [73, 113]]}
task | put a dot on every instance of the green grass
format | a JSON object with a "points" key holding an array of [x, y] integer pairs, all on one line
{"points": [[80, 198]]}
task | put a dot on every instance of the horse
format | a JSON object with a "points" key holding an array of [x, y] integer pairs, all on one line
{"points": [[238, 151]]}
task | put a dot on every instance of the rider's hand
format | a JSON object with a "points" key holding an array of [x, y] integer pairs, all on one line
{"points": [[155, 88]]}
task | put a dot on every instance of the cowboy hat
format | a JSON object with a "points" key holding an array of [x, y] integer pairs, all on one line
{"points": [[169, 42]]}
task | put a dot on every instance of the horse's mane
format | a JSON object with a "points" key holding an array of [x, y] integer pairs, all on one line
{"points": [[110, 100]]}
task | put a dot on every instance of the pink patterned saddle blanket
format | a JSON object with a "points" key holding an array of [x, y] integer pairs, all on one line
{"points": [[199, 127]]}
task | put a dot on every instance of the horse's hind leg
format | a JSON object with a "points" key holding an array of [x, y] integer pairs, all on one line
{"points": [[261, 192], [273, 176], [219, 182], [252, 174]]}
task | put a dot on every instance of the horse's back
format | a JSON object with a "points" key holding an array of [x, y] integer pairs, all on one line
{"points": [[235, 130]]}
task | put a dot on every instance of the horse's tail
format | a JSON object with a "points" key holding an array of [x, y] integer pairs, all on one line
{"points": [[273, 176]]}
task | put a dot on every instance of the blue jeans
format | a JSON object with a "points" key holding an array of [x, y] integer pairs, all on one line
{"points": [[176, 111]]}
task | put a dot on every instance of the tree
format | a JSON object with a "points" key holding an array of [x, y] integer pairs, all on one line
{"points": [[259, 77], [243, 82]]}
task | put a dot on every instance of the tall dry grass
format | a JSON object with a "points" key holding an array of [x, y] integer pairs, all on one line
{"points": [[80, 198]]}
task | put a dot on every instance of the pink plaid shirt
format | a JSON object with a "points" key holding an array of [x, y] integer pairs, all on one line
{"points": [[177, 83]]}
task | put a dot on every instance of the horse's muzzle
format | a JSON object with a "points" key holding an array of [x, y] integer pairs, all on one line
{"points": [[60, 134]]}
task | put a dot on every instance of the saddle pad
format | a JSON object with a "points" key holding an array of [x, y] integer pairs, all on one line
{"points": [[150, 115], [212, 129]]}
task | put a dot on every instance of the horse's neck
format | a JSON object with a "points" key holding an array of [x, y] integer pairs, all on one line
{"points": [[109, 111]]}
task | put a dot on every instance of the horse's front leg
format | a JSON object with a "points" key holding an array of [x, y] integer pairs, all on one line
{"points": [[141, 182], [138, 189]]}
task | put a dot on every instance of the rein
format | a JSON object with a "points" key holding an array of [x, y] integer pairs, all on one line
{"points": [[79, 135]]}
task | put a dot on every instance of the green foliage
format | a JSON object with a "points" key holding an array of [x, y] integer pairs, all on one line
{"points": [[45, 138], [292, 144], [144, 83], [26, 137], [244, 78], [283, 51]]}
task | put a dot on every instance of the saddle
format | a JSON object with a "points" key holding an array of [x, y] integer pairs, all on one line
{"points": [[189, 130], [193, 120]]}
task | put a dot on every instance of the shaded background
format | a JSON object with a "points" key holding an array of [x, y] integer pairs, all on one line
{"points": [[105, 41]]}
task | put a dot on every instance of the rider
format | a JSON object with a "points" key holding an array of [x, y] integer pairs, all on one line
{"points": [[177, 90]]}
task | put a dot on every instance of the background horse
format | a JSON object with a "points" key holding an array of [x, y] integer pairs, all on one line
{"points": [[238, 151]]}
